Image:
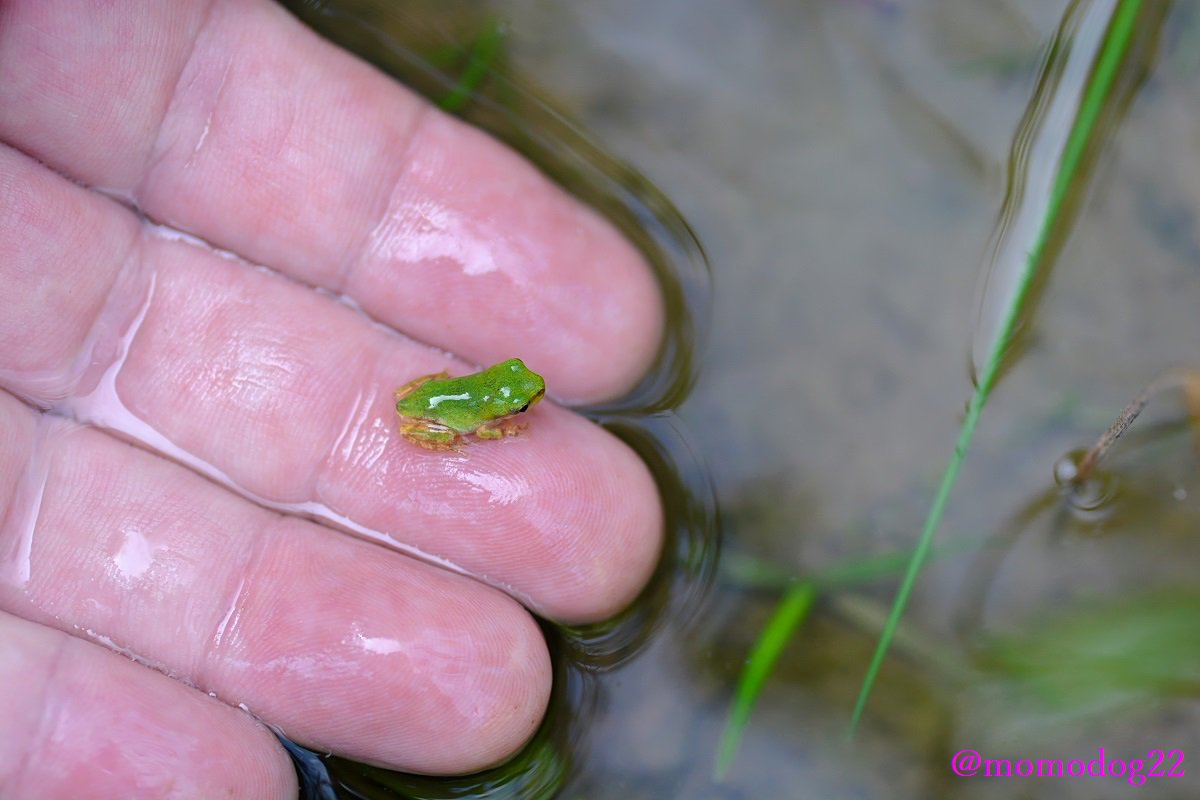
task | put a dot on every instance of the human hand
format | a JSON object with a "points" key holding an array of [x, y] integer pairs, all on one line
{"points": [[231, 122]]}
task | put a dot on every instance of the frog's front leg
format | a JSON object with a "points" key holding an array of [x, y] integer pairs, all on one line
{"points": [[407, 389], [498, 429], [429, 435]]}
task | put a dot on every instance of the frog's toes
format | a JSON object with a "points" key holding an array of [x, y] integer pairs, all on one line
{"points": [[454, 445]]}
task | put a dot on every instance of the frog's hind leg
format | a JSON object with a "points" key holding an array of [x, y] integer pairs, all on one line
{"points": [[431, 437], [407, 389]]}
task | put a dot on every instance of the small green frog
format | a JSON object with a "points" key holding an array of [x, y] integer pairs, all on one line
{"points": [[437, 411]]}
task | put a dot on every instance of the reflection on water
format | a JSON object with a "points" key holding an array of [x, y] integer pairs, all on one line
{"points": [[844, 163], [1050, 164]]}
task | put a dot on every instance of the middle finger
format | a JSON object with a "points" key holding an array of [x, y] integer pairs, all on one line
{"points": [[286, 394]]}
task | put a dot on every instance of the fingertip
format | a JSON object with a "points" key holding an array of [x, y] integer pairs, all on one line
{"points": [[620, 545], [360, 651], [579, 532], [512, 687], [481, 253], [90, 723]]}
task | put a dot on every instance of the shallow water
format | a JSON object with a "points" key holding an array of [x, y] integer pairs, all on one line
{"points": [[845, 165]]}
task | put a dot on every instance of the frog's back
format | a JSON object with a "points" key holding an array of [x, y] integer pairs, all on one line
{"points": [[450, 402], [468, 403]]}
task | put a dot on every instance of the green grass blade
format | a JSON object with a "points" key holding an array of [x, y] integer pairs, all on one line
{"points": [[789, 614], [479, 63], [1096, 95]]}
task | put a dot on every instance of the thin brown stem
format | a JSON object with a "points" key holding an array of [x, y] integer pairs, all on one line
{"points": [[1188, 380]]}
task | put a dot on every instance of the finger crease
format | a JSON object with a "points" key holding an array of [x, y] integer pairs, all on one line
{"points": [[381, 215], [47, 720], [158, 148]]}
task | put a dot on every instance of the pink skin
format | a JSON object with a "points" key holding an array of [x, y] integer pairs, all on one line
{"points": [[230, 121], [96, 725], [343, 644], [236, 124]]}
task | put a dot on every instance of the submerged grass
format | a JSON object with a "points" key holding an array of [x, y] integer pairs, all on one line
{"points": [[791, 612], [479, 63], [1101, 94], [1097, 95]]}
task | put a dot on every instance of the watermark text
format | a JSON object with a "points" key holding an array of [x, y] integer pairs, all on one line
{"points": [[1135, 771]]}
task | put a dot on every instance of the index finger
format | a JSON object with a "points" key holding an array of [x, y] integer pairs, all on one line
{"points": [[235, 123]]}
